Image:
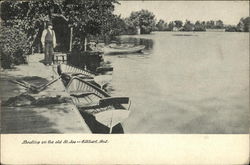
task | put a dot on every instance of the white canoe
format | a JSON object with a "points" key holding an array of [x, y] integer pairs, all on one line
{"points": [[122, 50]]}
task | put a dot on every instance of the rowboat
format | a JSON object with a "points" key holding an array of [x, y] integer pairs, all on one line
{"points": [[73, 71], [122, 49], [90, 99], [67, 71]]}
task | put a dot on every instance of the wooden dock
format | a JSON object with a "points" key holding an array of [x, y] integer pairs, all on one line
{"points": [[50, 118]]}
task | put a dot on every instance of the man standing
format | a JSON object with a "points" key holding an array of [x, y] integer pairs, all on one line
{"points": [[49, 43]]}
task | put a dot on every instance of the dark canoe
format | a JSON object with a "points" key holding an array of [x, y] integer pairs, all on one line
{"points": [[93, 100]]}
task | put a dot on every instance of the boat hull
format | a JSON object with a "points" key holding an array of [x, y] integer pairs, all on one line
{"points": [[128, 50], [94, 101]]}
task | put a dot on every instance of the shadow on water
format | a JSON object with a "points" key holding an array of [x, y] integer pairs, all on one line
{"points": [[99, 128], [148, 43], [131, 39]]}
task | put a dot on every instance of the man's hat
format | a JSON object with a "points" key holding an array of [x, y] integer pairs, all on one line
{"points": [[49, 23]]}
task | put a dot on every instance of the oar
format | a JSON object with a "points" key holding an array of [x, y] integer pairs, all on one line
{"points": [[25, 85], [41, 88], [21, 83], [33, 88]]}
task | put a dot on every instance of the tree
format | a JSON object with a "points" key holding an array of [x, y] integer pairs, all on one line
{"points": [[143, 19], [247, 24], [86, 16], [188, 26], [13, 45], [117, 26], [219, 24], [230, 28], [178, 23], [165, 26], [210, 24], [240, 25], [161, 25], [171, 26], [199, 26], [244, 25], [27, 16]]}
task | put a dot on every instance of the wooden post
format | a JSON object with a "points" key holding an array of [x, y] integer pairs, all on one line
{"points": [[70, 41], [85, 44]]}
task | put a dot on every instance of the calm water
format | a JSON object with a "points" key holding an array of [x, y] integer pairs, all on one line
{"points": [[185, 84]]}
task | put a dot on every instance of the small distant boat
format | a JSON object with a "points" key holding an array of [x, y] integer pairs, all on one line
{"points": [[90, 99], [122, 49], [184, 35]]}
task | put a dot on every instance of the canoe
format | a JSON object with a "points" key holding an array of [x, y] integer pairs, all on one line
{"points": [[111, 50], [73, 71], [121, 46], [90, 99], [67, 71]]}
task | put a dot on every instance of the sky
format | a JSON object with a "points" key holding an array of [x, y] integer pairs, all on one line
{"points": [[229, 12]]}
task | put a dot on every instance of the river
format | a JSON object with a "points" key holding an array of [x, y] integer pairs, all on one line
{"points": [[185, 82]]}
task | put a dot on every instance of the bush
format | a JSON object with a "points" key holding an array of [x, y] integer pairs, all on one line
{"points": [[231, 28], [14, 45]]}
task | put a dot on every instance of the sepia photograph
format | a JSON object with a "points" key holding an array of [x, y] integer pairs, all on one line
{"points": [[124, 67]]}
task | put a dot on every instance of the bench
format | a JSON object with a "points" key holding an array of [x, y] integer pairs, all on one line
{"points": [[60, 57]]}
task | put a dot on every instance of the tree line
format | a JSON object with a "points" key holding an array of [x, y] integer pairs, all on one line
{"points": [[242, 26], [146, 22]]}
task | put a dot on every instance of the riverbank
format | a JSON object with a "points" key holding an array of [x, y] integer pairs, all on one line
{"points": [[44, 116]]}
